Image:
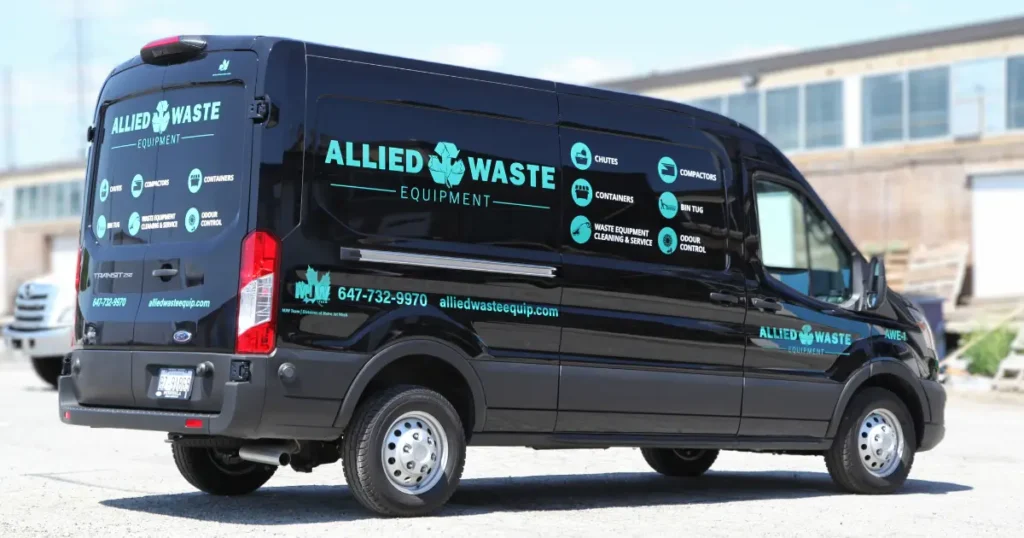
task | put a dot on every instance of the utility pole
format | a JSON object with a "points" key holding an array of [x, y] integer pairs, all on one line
{"points": [[8, 99], [80, 79]]}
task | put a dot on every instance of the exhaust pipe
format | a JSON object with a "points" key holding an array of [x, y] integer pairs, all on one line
{"points": [[278, 454]]}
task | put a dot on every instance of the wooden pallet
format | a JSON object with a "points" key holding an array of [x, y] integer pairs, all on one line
{"points": [[937, 271]]}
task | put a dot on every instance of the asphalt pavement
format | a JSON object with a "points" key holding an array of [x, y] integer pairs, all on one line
{"points": [[58, 480]]}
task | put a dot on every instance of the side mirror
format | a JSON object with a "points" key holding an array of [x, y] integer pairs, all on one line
{"points": [[877, 286]]}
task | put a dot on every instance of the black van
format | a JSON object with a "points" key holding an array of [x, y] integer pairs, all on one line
{"points": [[294, 254]]}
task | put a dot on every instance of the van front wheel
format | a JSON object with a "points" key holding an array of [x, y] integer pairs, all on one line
{"points": [[679, 461], [874, 448], [220, 472], [404, 451]]}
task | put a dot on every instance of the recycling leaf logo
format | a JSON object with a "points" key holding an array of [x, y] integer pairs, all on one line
{"points": [[806, 337], [444, 167], [161, 117]]}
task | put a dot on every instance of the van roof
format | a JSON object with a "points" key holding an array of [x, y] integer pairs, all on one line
{"points": [[265, 43]]}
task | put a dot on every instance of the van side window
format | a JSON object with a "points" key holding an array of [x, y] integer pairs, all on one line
{"points": [[642, 201], [410, 172], [798, 247]]}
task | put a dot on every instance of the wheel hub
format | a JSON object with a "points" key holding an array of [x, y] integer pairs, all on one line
{"points": [[688, 454], [880, 442], [413, 452]]}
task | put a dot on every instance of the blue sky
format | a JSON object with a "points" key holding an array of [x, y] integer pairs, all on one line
{"points": [[567, 40]]}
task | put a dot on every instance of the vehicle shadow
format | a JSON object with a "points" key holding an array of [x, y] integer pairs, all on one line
{"points": [[318, 504]]}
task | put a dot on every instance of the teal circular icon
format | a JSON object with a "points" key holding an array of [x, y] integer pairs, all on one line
{"points": [[667, 170], [137, 184], [192, 220], [581, 156], [195, 180], [101, 226], [580, 229], [667, 240], [134, 223], [104, 190], [668, 205], [582, 193]]}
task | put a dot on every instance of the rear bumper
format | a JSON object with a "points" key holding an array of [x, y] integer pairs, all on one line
{"points": [[240, 403], [935, 429], [54, 342], [117, 389]]}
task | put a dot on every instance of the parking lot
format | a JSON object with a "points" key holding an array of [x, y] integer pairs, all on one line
{"points": [[57, 480]]}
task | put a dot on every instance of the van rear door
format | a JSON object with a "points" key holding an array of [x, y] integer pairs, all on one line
{"points": [[169, 206]]}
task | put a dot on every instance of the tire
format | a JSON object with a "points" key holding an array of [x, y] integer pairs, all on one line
{"points": [[220, 472], [679, 462], [48, 368], [853, 460], [376, 431]]}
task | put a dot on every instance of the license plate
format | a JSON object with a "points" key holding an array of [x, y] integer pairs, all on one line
{"points": [[174, 384]]}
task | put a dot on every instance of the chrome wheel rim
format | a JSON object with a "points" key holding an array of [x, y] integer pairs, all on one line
{"points": [[688, 454], [414, 453], [880, 443]]}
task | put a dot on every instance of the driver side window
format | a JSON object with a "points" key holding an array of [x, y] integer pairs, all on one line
{"points": [[798, 247]]}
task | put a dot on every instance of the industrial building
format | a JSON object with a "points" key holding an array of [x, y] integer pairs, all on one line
{"points": [[40, 210], [915, 139]]}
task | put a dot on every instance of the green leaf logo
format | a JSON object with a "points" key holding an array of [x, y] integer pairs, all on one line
{"points": [[806, 337], [316, 289], [444, 167], [161, 117]]}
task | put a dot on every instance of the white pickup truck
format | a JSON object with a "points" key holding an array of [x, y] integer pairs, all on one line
{"points": [[44, 315]]}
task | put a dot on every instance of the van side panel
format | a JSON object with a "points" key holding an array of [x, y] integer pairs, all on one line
{"points": [[430, 209], [645, 349]]}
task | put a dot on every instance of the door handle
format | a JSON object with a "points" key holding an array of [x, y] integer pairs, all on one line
{"points": [[724, 298], [165, 272], [766, 305]]}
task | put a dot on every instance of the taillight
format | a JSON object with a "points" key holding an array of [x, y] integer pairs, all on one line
{"points": [[78, 271], [171, 50], [257, 299]]}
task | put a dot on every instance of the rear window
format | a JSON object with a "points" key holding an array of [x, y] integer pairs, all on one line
{"points": [[169, 166]]}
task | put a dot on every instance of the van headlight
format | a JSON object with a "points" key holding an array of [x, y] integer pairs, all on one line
{"points": [[67, 317], [926, 329]]}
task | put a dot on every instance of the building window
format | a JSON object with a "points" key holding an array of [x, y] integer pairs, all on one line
{"points": [[1015, 93], [75, 198], [978, 97], [782, 117], [823, 115], [48, 201], [60, 205], [711, 104], [882, 108], [746, 109], [929, 102]]}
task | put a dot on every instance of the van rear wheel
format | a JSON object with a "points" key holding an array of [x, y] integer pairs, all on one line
{"points": [[687, 462], [218, 471], [403, 452], [48, 368]]}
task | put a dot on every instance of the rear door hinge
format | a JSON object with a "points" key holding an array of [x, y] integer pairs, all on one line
{"points": [[260, 109]]}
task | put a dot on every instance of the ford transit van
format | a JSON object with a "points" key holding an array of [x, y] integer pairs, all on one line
{"points": [[295, 254]]}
